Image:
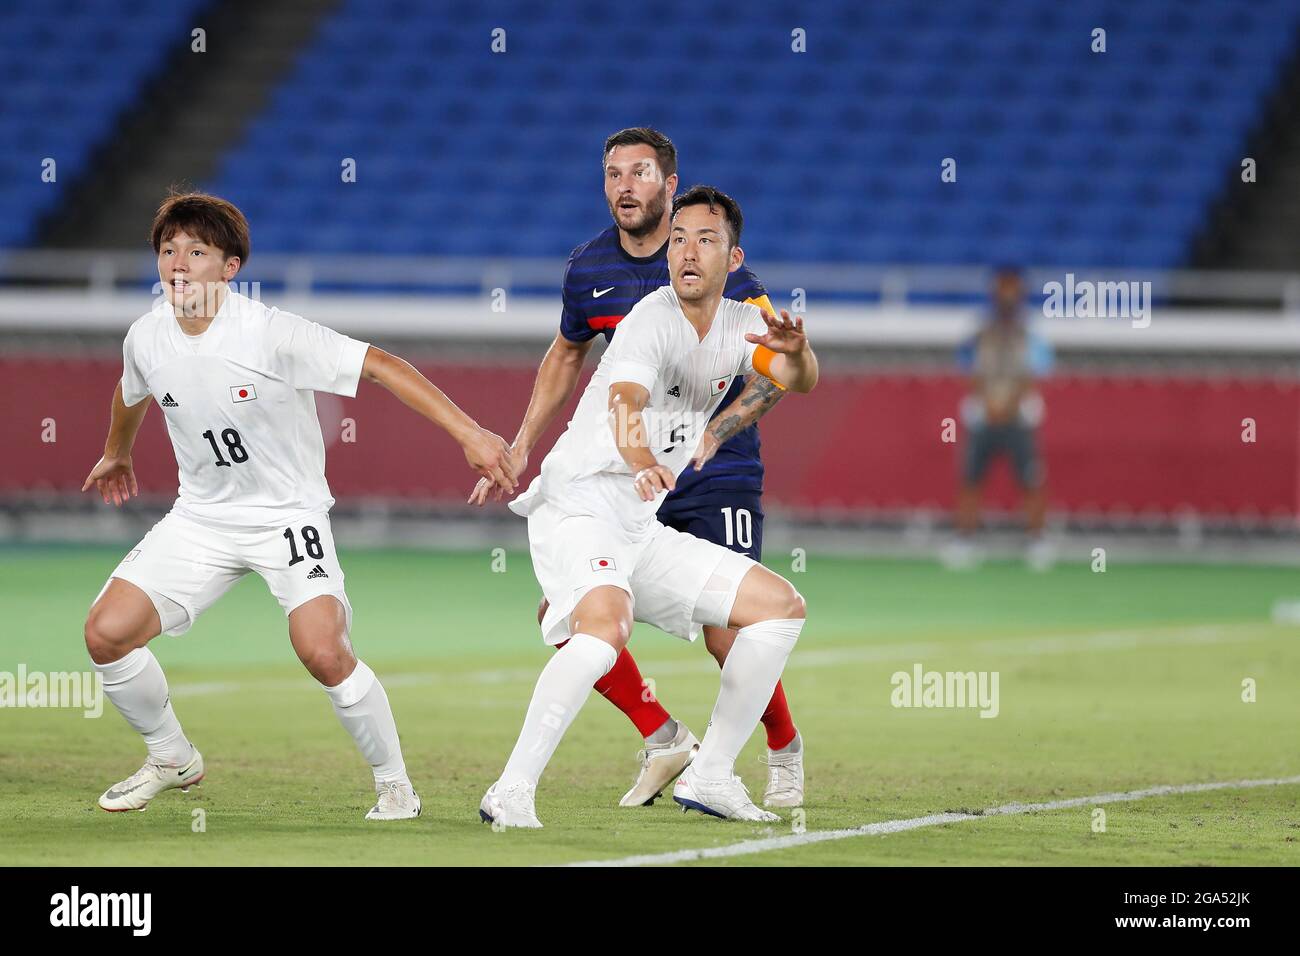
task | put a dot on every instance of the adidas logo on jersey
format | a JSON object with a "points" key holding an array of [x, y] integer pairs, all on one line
{"points": [[169, 402], [675, 391], [317, 572]]}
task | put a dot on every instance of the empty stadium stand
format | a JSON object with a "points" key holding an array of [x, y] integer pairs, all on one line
{"points": [[1091, 159], [67, 81], [1064, 156]]}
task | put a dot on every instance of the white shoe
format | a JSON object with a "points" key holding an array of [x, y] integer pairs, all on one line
{"points": [[959, 554], [511, 806], [397, 801], [135, 792], [660, 765], [718, 798], [785, 777], [1040, 555]]}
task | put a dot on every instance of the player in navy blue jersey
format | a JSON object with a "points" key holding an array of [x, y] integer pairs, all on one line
{"points": [[718, 497]]}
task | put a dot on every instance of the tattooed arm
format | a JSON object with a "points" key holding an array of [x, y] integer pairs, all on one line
{"points": [[759, 394]]}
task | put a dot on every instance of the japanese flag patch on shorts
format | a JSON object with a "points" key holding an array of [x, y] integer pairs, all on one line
{"points": [[603, 564], [242, 393]]}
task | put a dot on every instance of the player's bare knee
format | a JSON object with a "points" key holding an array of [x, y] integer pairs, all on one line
{"points": [[796, 608], [330, 665], [612, 629], [97, 643], [105, 642], [604, 612]]}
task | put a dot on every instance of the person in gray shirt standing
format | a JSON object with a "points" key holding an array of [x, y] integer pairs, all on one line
{"points": [[1001, 415]]}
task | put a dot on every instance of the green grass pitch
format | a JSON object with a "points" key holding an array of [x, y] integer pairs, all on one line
{"points": [[1108, 682]]}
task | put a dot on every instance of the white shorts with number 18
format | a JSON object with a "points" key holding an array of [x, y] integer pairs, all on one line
{"points": [[193, 565]]}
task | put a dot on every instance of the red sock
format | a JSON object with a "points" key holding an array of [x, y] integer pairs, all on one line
{"points": [[624, 688], [777, 721]]}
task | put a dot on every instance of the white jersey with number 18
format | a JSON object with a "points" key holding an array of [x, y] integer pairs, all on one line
{"points": [[240, 409]]}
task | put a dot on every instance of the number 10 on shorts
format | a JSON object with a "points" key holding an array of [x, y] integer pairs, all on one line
{"points": [[740, 527]]}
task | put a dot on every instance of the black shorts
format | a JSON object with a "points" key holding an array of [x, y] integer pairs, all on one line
{"points": [[733, 519], [986, 442]]}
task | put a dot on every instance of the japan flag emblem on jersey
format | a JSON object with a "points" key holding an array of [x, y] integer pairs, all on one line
{"points": [[719, 385], [242, 393], [603, 564]]}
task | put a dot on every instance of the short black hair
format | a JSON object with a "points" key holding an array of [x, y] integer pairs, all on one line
{"points": [[714, 199], [664, 149], [209, 219]]}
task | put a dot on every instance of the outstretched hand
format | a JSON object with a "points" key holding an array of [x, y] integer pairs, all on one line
{"points": [[783, 334]]}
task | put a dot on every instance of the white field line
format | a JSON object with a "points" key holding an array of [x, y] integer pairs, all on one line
{"points": [[814, 658], [767, 844]]}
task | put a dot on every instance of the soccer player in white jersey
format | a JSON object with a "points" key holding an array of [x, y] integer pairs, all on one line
{"points": [[235, 381], [601, 557]]}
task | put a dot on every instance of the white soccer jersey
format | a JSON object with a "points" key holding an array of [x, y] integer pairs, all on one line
{"points": [[658, 348], [240, 409]]}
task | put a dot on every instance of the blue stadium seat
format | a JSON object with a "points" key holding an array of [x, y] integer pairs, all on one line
{"points": [[67, 79], [1063, 156]]}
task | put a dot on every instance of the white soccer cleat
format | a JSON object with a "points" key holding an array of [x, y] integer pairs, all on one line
{"points": [[960, 554], [511, 806], [135, 792], [1040, 555], [660, 766], [718, 798], [397, 801], [785, 777]]}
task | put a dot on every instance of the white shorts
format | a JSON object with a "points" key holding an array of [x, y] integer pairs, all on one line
{"points": [[181, 562], [677, 581]]}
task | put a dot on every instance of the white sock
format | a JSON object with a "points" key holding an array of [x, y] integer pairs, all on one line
{"points": [[363, 710], [138, 689], [749, 676], [561, 691]]}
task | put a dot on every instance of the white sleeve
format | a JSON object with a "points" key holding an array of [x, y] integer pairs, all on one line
{"points": [[753, 323], [318, 358], [639, 347], [134, 387]]}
